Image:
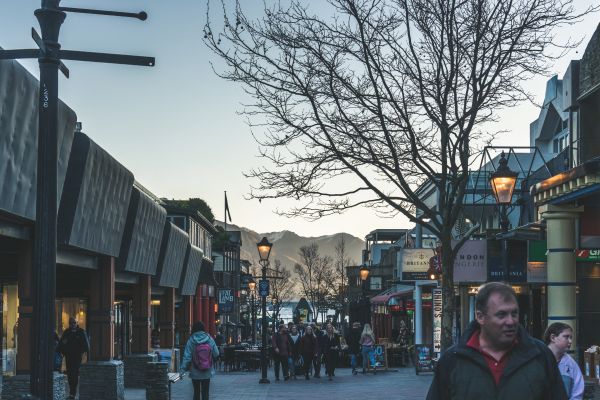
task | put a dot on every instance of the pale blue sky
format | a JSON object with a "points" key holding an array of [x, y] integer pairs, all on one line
{"points": [[175, 125]]}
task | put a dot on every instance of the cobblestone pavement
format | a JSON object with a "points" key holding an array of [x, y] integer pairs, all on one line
{"points": [[400, 384]]}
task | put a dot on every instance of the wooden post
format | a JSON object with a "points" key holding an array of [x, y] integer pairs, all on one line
{"points": [[100, 313], [142, 296], [187, 319], [167, 319]]}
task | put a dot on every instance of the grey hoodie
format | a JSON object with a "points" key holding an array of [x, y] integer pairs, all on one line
{"points": [[187, 365]]}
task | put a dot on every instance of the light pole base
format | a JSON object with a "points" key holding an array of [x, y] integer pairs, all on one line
{"points": [[264, 380]]}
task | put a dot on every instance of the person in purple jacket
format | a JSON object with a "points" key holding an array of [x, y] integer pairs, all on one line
{"points": [[559, 337]]}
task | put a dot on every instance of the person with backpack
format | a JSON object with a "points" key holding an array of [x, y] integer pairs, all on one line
{"points": [[198, 357]]}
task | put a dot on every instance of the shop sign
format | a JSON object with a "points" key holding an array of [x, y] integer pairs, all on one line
{"points": [[470, 264], [517, 261], [588, 255], [245, 281], [437, 321], [226, 297], [415, 263]]}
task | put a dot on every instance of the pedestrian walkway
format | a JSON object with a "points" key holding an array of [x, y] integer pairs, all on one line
{"points": [[398, 384]]}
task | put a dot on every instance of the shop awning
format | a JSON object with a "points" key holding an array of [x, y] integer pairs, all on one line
{"points": [[384, 297]]}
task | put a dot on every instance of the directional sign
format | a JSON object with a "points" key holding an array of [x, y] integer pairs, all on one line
{"points": [[263, 287]]}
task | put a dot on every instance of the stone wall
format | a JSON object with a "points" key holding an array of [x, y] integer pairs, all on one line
{"points": [[102, 380], [135, 369], [15, 387], [157, 381]]}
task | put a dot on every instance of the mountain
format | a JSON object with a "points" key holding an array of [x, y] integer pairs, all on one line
{"points": [[286, 245]]}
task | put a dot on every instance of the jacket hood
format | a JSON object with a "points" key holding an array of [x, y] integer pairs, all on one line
{"points": [[200, 337]]}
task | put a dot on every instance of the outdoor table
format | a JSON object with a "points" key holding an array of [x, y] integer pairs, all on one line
{"points": [[250, 357]]}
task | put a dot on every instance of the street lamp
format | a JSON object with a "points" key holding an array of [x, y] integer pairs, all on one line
{"points": [[364, 275], [503, 183], [252, 286], [264, 250]]}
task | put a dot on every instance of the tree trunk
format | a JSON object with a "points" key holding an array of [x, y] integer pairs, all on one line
{"points": [[447, 292]]}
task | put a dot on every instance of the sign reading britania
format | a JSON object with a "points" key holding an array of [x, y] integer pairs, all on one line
{"points": [[415, 263]]}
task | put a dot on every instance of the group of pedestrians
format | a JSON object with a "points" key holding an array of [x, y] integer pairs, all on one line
{"points": [[497, 359]]}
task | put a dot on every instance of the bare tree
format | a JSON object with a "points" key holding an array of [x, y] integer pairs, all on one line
{"points": [[313, 274], [282, 287], [337, 280], [366, 105]]}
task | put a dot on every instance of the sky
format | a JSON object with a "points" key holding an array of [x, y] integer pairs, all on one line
{"points": [[176, 126]]}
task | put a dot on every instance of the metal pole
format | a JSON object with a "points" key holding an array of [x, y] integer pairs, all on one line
{"points": [[504, 227], [253, 317], [418, 315], [263, 350], [44, 242]]}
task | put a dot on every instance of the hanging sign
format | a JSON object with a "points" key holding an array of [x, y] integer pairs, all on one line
{"points": [[437, 321], [225, 301], [415, 264], [470, 264]]}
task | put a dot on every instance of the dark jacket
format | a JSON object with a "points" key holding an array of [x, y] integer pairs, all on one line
{"points": [[309, 346], [295, 345], [74, 343], [331, 345], [352, 340], [283, 343], [320, 341], [530, 374]]}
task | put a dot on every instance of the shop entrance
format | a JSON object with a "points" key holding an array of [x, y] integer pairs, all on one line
{"points": [[123, 328]]}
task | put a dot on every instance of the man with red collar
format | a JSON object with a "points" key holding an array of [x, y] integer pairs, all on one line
{"points": [[496, 358]]}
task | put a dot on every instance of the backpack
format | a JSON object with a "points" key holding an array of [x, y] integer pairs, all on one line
{"points": [[202, 357]]}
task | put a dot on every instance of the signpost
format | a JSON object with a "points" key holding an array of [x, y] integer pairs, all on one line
{"points": [[49, 54]]}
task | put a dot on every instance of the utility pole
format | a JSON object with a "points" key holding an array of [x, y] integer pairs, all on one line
{"points": [[49, 54]]}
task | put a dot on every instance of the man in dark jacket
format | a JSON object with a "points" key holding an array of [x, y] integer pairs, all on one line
{"points": [[496, 358], [73, 343], [282, 350], [352, 340]]}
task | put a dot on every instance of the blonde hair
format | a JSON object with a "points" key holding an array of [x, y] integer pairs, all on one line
{"points": [[367, 331]]}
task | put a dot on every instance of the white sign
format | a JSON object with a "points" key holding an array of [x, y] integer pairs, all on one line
{"points": [[437, 321], [470, 264], [415, 263]]}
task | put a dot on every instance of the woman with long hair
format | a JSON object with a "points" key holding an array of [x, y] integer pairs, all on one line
{"points": [[198, 358], [331, 350], [559, 337], [309, 347], [367, 341]]}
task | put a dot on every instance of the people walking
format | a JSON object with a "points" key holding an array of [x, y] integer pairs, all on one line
{"points": [[319, 334], [496, 358], [331, 350], [198, 358], [282, 350], [367, 341], [353, 342], [559, 337], [294, 357], [73, 345], [309, 347]]}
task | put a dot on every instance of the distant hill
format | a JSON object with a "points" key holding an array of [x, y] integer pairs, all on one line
{"points": [[286, 245]]}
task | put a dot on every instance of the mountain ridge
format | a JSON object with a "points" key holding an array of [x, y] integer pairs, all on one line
{"points": [[287, 243]]}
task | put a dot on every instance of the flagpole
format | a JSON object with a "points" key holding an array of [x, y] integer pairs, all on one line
{"points": [[225, 211]]}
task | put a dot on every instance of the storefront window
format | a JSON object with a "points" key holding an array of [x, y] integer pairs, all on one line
{"points": [[10, 318]]}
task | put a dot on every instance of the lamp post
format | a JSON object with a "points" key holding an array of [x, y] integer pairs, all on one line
{"points": [[503, 183], [264, 250], [252, 286], [365, 305]]}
